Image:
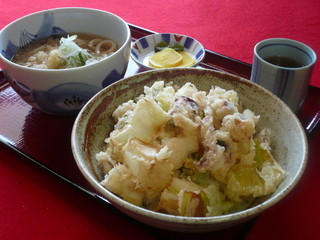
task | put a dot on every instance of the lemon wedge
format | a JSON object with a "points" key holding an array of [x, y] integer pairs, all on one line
{"points": [[167, 57]]}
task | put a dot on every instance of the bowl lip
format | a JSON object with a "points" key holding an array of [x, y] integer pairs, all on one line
{"points": [[278, 40], [71, 9], [131, 209], [198, 61]]}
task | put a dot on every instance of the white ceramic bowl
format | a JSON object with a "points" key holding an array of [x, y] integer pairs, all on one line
{"points": [[64, 91], [289, 144], [144, 47]]}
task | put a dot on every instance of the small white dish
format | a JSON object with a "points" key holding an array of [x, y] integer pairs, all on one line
{"points": [[144, 47]]}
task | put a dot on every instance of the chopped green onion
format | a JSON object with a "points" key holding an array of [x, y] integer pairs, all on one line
{"points": [[74, 55], [81, 59]]}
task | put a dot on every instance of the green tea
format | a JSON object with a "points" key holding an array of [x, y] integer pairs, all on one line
{"points": [[283, 61]]}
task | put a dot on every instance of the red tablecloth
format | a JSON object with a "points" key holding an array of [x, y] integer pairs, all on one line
{"points": [[37, 205], [228, 27]]}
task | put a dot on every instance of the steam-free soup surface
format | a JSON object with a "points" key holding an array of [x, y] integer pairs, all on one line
{"points": [[65, 51]]}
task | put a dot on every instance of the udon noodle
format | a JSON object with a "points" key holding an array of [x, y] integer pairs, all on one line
{"points": [[61, 51]]}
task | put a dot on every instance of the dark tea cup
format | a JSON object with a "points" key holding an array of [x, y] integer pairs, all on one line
{"points": [[284, 67]]}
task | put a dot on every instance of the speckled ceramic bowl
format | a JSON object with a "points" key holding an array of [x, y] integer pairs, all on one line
{"points": [[289, 144], [144, 47], [64, 91]]}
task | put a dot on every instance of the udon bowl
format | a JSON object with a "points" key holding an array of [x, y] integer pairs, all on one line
{"points": [[64, 91], [95, 122]]}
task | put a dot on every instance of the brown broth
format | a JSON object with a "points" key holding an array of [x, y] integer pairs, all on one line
{"points": [[37, 53]]}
